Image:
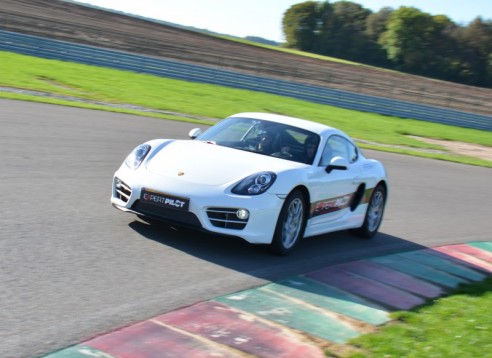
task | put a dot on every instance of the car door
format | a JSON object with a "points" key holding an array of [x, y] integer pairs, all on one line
{"points": [[332, 190]]}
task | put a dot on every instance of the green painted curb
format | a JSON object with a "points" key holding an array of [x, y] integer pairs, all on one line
{"points": [[79, 352], [487, 246], [270, 306], [422, 271], [443, 264], [330, 299]]}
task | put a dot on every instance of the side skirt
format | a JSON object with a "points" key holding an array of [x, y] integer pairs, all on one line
{"points": [[351, 220]]}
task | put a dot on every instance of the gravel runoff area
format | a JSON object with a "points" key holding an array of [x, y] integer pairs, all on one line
{"points": [[71, 22], [468, 149]]}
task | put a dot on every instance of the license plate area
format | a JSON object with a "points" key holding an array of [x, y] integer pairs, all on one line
{"points": [[164, 200]]}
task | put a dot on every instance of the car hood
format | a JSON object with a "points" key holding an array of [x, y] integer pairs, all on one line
{"points": [[210, 164]]}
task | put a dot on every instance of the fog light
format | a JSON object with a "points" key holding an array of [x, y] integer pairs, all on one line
{"points": [[242, 214], [117, 183]]}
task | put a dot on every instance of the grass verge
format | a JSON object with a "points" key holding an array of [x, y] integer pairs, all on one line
{"points": [[97, 84], [456, 326]]}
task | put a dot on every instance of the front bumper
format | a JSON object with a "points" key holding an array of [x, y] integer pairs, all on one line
{"points": [[211, 208]]}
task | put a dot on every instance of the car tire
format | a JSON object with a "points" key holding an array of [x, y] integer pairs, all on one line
{"points": [[290, 225], [374, 213]]}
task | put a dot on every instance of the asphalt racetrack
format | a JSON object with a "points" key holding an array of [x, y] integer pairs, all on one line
{"points": [[72, 267]]}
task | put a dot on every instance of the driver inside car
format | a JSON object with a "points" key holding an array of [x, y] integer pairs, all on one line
{"points": [[266, 142], [269, 144]]}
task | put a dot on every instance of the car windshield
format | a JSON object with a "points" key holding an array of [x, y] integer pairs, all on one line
{"points": [[264, 137]]}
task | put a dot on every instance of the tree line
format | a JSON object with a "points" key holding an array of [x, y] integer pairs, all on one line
{"points": [[405, 39]]}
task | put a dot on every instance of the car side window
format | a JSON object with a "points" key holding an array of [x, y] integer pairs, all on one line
{"points": [[337, 146], [353, 152]]}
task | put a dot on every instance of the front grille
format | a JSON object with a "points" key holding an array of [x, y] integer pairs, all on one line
{"points": [[121, 190], [225, 218], [166, 214]]}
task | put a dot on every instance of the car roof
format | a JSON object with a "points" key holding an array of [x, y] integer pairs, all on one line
{"points": [[292, 121]]}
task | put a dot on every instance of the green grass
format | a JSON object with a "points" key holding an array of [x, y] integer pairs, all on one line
{"points": [[456, 326], [216, 102]]}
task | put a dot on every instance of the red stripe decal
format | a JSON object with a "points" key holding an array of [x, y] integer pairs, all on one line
{"points": [[331, 205]]}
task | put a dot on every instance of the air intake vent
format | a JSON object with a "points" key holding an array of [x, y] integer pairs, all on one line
{"points": [[226, 218], [121, 190]]}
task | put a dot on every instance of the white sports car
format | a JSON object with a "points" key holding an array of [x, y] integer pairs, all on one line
{"points": [[266, 178]]}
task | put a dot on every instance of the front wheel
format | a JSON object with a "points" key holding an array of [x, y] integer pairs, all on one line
{"points": [[290, 225], [374, 213]]}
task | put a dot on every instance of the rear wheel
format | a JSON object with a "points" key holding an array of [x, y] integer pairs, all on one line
{"points": [[290, 225], [374, 213]]}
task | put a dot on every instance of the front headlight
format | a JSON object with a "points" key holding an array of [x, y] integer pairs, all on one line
{"points": [[136, 157], [255, 184]]}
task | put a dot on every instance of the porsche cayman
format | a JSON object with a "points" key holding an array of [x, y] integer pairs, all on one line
{"points": [[266, 178]]}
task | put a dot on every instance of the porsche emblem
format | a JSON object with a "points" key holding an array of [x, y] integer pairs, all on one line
{"points": [[181, 174]]}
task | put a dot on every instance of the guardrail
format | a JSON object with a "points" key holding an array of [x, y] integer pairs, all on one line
{"points": [[67, 51]]}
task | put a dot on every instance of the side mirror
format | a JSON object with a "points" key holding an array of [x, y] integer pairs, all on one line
{"points": [[337, 163], [195, 132]]}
